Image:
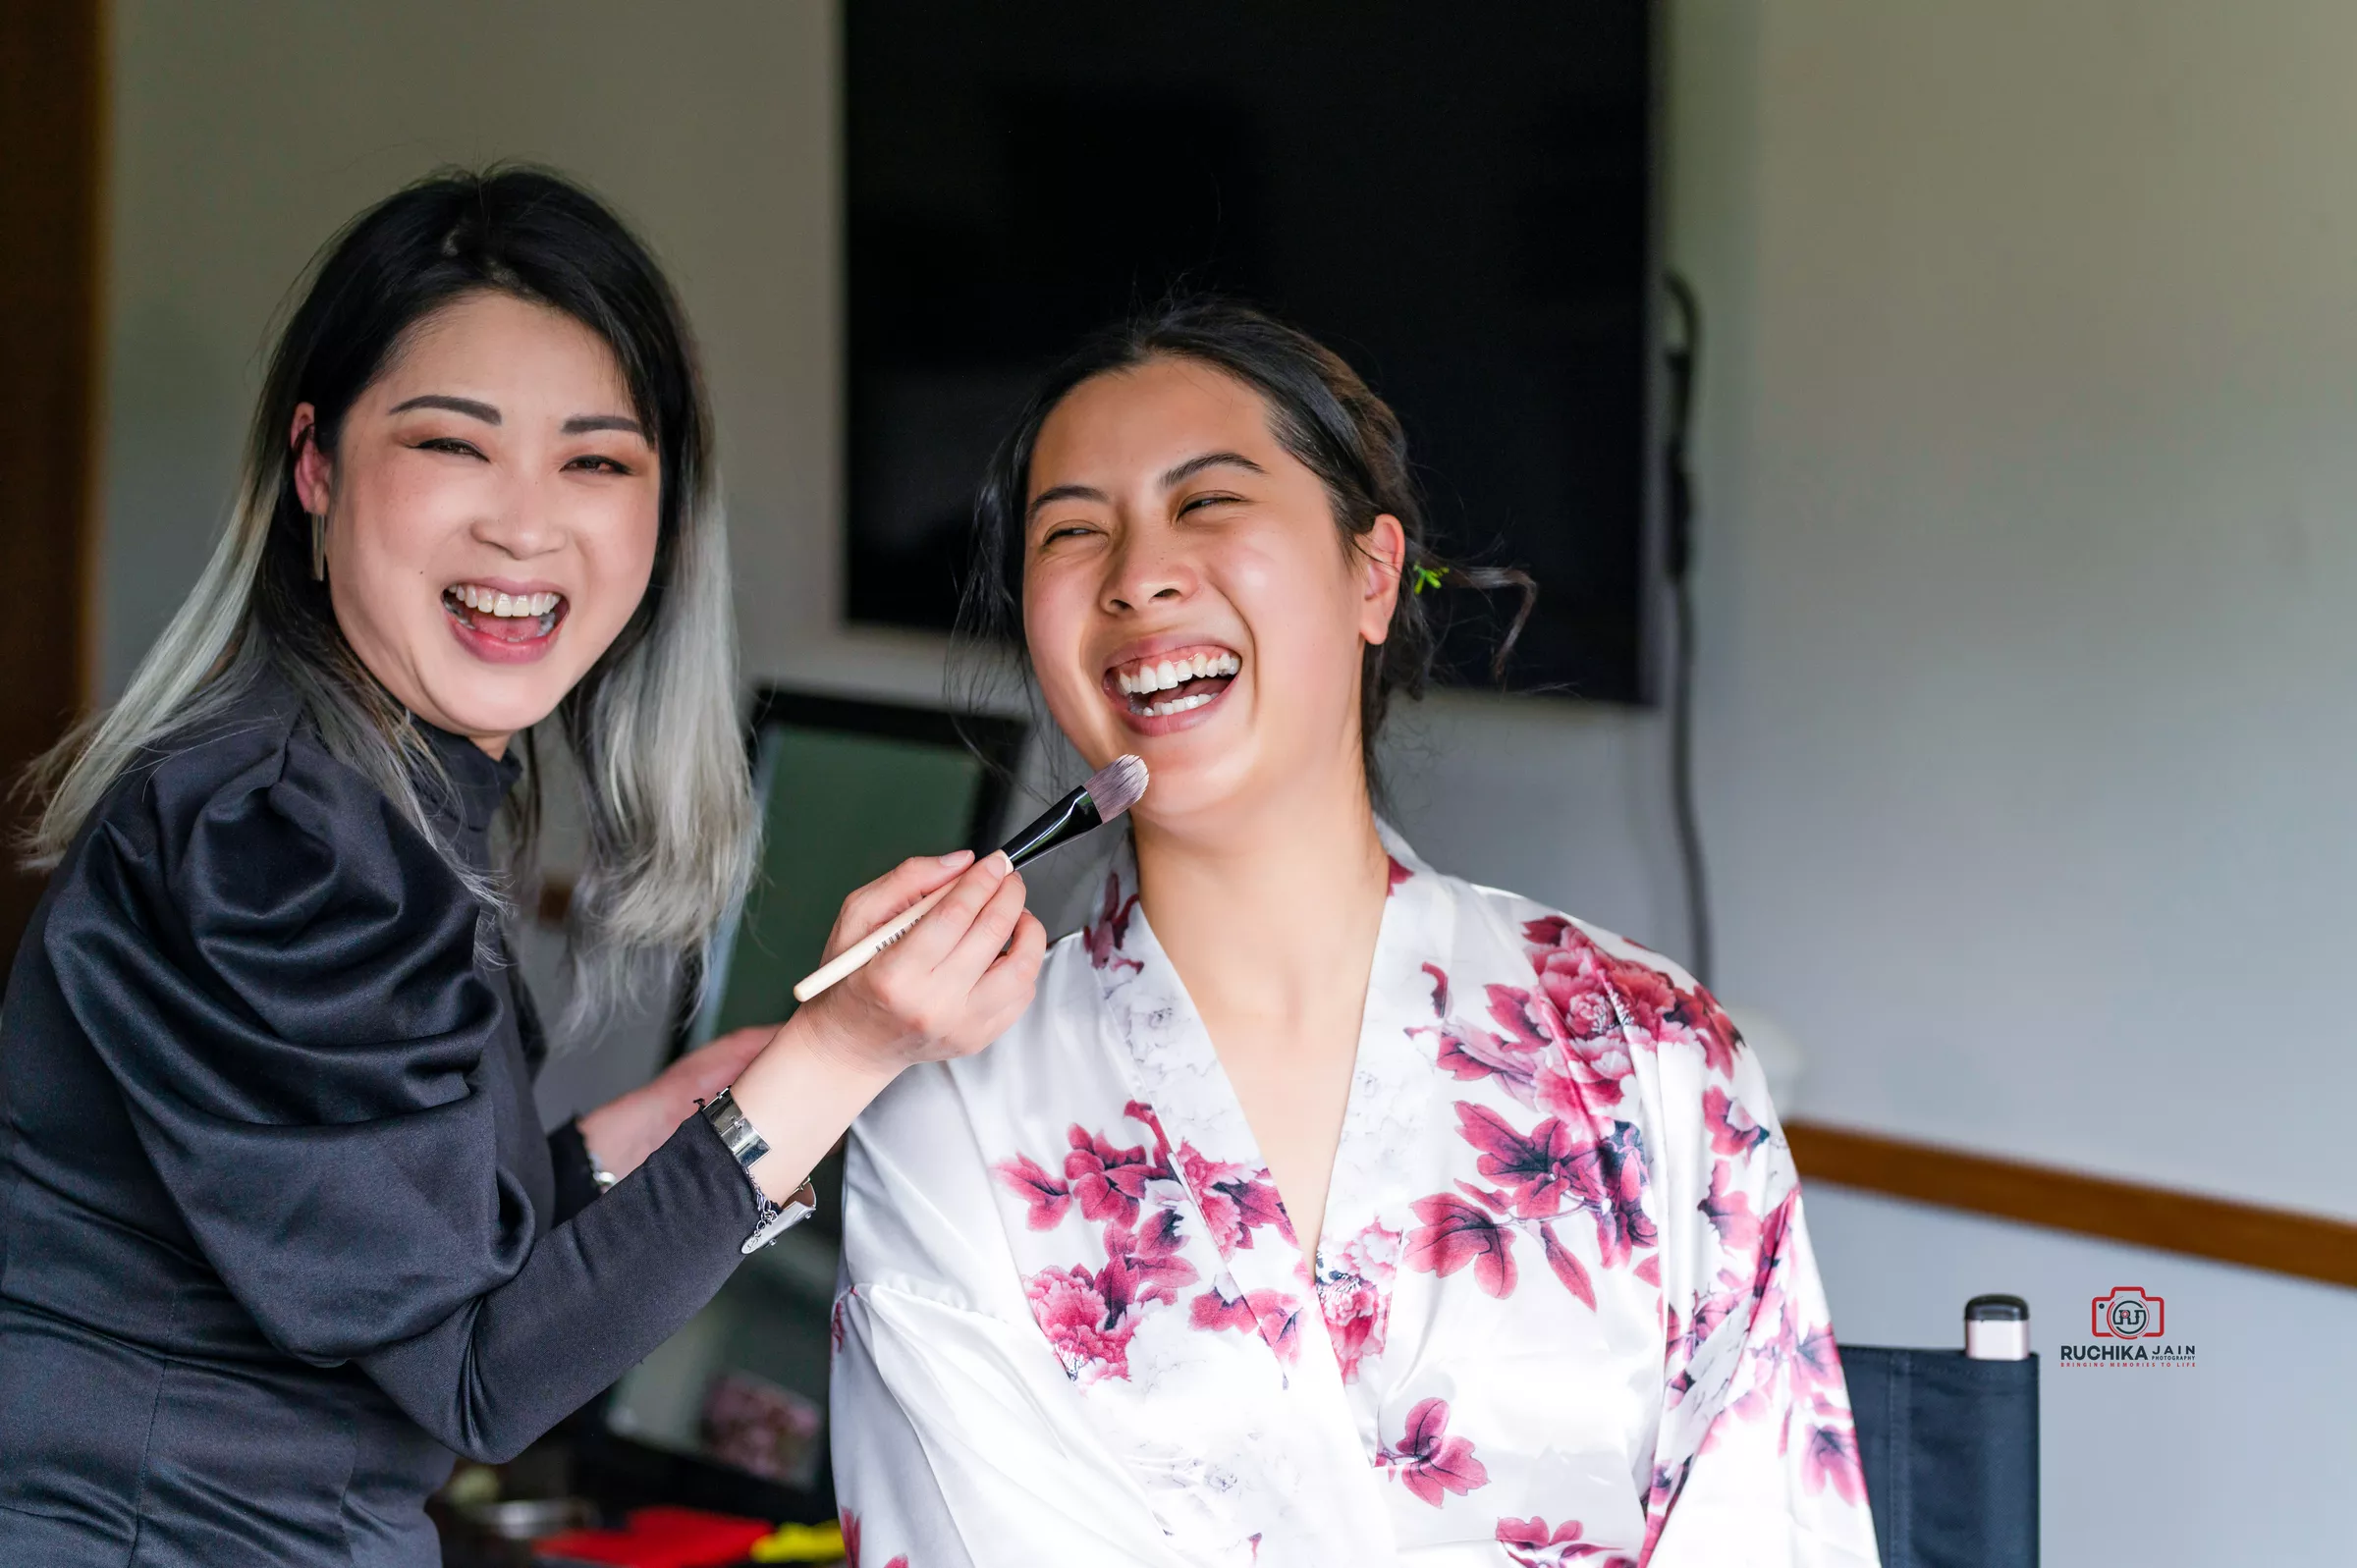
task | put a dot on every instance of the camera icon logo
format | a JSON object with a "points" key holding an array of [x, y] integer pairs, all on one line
{"points": [[2128, 1313]]}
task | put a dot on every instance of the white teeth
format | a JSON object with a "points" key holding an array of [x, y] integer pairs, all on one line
{"points": [[487, 602], [1147, 679], [1163, 709]]}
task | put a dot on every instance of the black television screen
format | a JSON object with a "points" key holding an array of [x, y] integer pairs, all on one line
{"points": [[1459, 200]]}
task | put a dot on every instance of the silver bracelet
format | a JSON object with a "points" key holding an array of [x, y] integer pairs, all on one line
{"points": [[746, 1143], [598, 1172]]}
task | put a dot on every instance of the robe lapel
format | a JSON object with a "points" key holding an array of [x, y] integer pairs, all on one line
{"points": [[1272, 1281]]}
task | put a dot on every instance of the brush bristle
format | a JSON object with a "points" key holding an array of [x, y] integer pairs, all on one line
{"points": [[1117, 786]]}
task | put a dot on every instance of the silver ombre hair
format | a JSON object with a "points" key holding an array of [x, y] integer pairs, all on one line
{"points": [[653, 727]]}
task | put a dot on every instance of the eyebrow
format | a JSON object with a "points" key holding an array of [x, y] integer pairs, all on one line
{"points": [[1181, 473], [1056, 493], [1176, 476], [584, 423], [465, 406]]}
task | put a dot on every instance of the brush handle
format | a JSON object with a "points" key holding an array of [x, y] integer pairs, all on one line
{"points": [[1062, 822], [852, 958]]}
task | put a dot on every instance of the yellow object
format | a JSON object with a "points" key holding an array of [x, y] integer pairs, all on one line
{"points": [[799, 1543]]}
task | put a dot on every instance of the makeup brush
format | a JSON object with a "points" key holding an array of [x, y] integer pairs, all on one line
{"points": [[1111, 791]]}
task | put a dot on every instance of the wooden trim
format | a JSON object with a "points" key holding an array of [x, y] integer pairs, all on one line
{"points": [[52, 127], [2281, 1240]]}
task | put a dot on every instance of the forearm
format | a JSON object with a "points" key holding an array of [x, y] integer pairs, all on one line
{"points": [[801, 1094], [597, 1295]]}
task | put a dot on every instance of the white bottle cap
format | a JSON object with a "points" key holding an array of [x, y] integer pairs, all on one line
{"points": [[1997, 1329]]}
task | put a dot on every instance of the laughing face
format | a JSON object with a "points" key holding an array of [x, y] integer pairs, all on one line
{"points": [[493, 505], [1188, 597]]}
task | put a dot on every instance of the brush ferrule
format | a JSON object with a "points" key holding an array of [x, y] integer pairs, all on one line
{"points": [[1062, 822]]}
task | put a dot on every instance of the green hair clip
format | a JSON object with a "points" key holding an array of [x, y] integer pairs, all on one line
{"points": [[1423, 577]]}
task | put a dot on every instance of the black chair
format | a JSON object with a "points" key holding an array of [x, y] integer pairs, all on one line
{"points": [[847, 788], [1949, 1441]]}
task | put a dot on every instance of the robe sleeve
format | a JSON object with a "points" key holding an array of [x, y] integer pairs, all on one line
{"points": [[1756, 1461], [280, 977], [959, 1441]]}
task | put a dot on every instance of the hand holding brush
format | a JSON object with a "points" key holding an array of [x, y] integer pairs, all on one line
{"points": [[1109, 792]]}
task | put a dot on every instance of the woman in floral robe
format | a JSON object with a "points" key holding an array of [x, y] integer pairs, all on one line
{"points": [[1559, 1307]]}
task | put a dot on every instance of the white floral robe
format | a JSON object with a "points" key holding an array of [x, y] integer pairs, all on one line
{"points": [[1564, 1311]]}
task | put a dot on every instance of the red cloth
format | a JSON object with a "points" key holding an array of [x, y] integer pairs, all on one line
{"points": [[662, 1537]]}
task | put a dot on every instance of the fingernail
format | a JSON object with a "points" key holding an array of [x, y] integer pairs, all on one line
{"points": [[999, 864], [957, 857]]}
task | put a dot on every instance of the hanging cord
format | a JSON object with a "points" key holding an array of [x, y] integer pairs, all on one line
{"points": [[1679, 357]]}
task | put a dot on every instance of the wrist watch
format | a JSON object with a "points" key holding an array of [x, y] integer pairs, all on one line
{"points": [[770, 1219]]}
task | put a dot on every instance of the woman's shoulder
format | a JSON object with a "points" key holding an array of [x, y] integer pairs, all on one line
{"points": [[1590, 979], [241, 888], [240, 823], [246, 784]]}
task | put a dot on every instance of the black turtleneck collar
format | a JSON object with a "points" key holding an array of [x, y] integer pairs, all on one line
{"points": [[478, 785]]}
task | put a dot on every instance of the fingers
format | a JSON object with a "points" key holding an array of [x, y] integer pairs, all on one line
{"points": [[993, 925], [1006, 988], [933, 938], [904, 884]]}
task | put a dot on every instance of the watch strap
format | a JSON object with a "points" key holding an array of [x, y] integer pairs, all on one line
{"points": [[746, 1143]]}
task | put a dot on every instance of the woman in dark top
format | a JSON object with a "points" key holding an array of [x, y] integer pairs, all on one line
{"points": [[278, 1226]]}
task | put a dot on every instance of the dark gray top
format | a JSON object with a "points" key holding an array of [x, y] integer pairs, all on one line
{"points": [[278, 1226]]}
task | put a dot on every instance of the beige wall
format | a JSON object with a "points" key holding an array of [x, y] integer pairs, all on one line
{"points": [[246, 131]]}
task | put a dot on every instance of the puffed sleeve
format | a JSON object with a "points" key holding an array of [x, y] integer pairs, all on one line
{"points": [[281, 975], [957, 1440], [1756, 1459]]}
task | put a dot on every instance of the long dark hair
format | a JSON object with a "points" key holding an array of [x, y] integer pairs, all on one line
{"points": [[653, 723], [1322, 413]]}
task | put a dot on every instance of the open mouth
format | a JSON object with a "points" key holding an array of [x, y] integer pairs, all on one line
{"points": [[517, 619], [1175, 683]]}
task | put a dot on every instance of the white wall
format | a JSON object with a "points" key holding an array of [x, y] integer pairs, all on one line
{"points": [[2028, 679], [2027, 662]]}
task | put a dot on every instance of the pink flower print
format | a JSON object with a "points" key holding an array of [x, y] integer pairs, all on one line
{"points": [[1108, 1181], [1610, 1175], [1581, 1082], [1354, 1295], [1538, 1172], [1455, 1233], [1089, 1340], [1530, 1543], [1428, 1461], [1111, 927], [1398, 875], [1830, 1458], [1471, 1054], [1730, 1210], [1235, 1201], [1047, 1199], [850, 1524], [1529, 1018], [1816, 1364], [1567, 1268], [1595, 991], [1143, 1264], [1439, 989], [1271, 1313], [1733, 1129], [1579, 1069], [1212, 1312]]}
